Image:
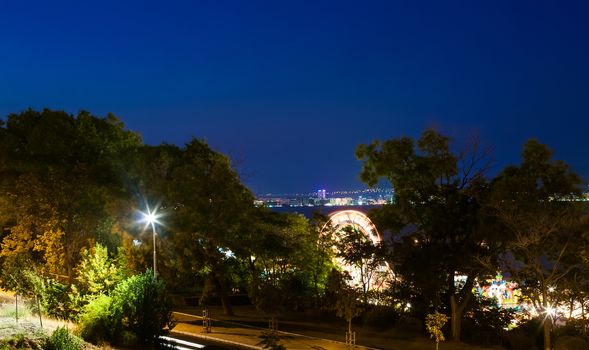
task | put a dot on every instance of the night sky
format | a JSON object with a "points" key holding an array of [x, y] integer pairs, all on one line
{"points": [[288, 89]]}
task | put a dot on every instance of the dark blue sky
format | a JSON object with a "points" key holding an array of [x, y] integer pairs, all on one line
{"points": [[288, 89]]}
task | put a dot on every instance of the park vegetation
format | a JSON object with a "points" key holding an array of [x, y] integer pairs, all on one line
{"points": [[72, 188]]}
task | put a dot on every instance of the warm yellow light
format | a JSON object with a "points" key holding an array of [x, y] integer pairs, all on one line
{"points": [[550, 311]]}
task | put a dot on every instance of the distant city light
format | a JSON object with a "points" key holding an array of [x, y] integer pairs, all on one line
{"points": [[370, 196]]}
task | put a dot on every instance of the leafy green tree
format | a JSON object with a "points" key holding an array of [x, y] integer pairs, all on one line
{"points": [[435, 219], [285, 255], [205, 205], [96, 274], [537, 204], [365, 256], [348, 303], [61, 184]]}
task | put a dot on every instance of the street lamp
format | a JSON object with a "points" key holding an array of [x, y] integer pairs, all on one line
{"points": [[151, 219]]}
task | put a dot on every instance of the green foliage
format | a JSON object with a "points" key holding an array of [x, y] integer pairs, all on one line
{"points": [[287, 262], [355, 249], [380, 316], [97, 273], [19, 341], [144, 302], [209, 217], [14, 274], [486, 322], [347, 298], [138, 305], [436, 219], [536, 205], [61, 184], [99, 320], [62, 339], [55, 300], [486, 313], [434, 323]]}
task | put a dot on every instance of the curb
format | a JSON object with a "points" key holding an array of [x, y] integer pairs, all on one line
{"points": [[262, 329], [217, 340]]}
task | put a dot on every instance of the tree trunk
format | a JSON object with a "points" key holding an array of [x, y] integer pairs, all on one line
{"points": [[227, 309], [547, 331], [457, 310], [253, 292], [16, 306], [455, 319], [39, 310], [221, 288]]}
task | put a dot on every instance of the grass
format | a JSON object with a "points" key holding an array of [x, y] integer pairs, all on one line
{"points": [[27, 333]]}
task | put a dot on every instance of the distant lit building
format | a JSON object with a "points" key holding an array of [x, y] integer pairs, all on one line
{"points": [[321, 194], [339, 201]]}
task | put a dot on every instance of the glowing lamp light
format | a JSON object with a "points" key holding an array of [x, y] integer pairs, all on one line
{"points": [[550, 311], [150, 218]]}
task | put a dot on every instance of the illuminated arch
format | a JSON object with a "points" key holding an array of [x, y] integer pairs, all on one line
{"points": [[355, 219], [359, 221]]}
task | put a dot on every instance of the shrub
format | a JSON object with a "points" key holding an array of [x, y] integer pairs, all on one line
{"points": [[519, 340], [526, 336], [100, 321], [55, 300], [486, 322], [97, 274], [138, 309], [567, 342], [62, 339], [380, 317], [143, 300]]}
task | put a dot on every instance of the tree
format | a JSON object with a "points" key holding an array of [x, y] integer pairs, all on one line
{"points": [[537, 204], [61, 184], [285, 259], [358, 251], [348, 304], [435, 219], [434, 323], [205, 205], [97, 274]]}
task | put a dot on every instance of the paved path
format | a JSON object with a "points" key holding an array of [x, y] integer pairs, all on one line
{"points": [[247, 337]]}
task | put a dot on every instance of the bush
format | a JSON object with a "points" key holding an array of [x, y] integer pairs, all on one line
{"points": [[138, 309], [486, 322], [567, 342], [100, 321], [62, 339], [380, 317], [55, 300], [527, 336], [518, 340], [572, 327], [146, 306]]}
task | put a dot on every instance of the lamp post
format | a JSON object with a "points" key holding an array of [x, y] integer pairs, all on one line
{"points": [[151, 219]]}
